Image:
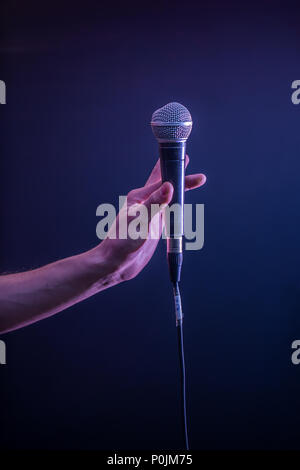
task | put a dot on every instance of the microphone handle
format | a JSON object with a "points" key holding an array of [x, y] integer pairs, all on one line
{"points": [[172, 163]]}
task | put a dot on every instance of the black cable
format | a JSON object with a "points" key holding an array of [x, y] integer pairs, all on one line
{"points": [[179, 326]]}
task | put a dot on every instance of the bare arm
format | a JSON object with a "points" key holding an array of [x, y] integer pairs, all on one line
{"points": [[34, 295]]}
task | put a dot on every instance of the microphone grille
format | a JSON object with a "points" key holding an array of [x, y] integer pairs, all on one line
{"points": [[172, 122]]}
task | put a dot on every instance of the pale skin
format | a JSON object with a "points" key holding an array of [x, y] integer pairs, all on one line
{"points": [[34, 295]]}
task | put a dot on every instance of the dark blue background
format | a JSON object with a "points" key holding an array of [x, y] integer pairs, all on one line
{"points": [[82, 83]]}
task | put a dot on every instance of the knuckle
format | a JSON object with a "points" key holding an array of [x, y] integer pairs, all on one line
{"points": [[131, 195], [134, 195]]}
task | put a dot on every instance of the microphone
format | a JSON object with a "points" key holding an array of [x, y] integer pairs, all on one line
{"points": [[171, 126]]}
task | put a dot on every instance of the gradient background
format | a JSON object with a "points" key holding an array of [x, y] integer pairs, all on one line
{"points": [[82, 83]]}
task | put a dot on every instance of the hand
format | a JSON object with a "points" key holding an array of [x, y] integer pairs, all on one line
{"points": [[130, 256]]}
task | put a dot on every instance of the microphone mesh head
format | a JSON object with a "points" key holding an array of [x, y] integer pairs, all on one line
{"points": [[172, 122]]}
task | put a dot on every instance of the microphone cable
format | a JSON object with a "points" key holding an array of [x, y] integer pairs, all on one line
{"points": [[179, 327]]}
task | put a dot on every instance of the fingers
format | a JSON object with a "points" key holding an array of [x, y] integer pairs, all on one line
{"points": [[150, 211], [153, 183], [155, 175], [159, 199], [154, 198], [194, 181], [140, 194]]}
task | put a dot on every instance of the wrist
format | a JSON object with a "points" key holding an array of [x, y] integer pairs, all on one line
{"points": [[102, 266]]}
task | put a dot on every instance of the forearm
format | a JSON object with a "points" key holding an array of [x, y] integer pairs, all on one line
{"points": [[34, 295]]}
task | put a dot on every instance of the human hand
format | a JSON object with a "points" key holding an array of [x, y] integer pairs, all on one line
{"points": [[128, 257]]}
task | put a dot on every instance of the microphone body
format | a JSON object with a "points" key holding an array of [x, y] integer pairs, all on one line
{"points": [[171, 126], [172, 164]]}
